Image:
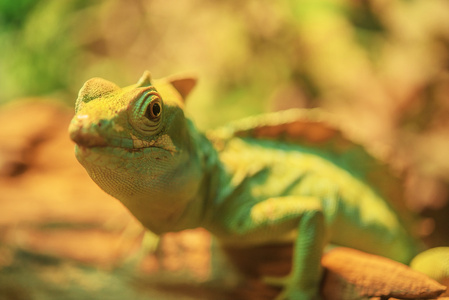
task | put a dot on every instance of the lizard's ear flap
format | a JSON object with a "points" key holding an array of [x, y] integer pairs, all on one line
{"points": [[94, 88], [184, 85]]}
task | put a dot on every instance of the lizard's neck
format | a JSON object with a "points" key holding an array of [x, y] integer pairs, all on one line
{"points": [[185, 207], [212, 185]]}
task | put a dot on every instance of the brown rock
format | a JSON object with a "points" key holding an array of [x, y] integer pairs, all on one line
{"points": [[352, 274]]}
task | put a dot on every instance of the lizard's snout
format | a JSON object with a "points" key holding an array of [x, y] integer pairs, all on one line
{"points": [[86, 134]]}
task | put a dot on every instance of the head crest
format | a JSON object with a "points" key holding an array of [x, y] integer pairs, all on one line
{"points": [[95, 88]]}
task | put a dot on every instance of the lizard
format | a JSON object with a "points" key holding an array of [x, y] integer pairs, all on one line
{"points": [[283, 176]]}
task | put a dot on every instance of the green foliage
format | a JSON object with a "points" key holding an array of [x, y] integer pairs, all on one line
{"points": [[37, 48], [14, 13]]}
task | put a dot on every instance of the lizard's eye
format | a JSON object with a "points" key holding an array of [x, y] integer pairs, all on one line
{"points": [[146, 113], [154, 110]]}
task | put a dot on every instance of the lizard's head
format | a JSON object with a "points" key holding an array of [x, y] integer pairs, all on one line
{"points": [[135, 119], [135, 141]]}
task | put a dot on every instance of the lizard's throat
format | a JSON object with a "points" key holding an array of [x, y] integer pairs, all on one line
{"points": [[158, 196]]}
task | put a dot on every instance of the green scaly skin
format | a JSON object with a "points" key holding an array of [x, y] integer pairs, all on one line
{"points": [[138, 146]]}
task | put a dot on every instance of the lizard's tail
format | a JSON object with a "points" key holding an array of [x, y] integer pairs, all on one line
{"points": [[434, 263]]}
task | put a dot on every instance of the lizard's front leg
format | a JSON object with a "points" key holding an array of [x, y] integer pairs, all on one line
{"points": [[303, 282], [276, 216]]}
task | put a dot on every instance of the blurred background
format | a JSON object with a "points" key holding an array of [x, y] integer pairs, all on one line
{"points": [[381, 66]]}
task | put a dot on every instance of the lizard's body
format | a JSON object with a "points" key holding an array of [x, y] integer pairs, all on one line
{"points": [[263, 170], [246, 183]]}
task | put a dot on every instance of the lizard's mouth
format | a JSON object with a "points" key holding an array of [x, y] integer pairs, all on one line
{"points": [[88, 140], [89, 136]]}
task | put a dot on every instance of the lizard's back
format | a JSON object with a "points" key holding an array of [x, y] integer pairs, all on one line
{"points": [[293, 154]]}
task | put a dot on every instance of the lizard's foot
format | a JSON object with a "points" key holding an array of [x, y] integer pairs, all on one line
{"points": [[288, 294], [292, 291]]}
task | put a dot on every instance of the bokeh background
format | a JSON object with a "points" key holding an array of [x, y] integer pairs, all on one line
{"points": [[381, 66]]}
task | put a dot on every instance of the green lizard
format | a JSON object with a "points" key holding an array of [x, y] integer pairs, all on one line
{"points": [[285, 176]]}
